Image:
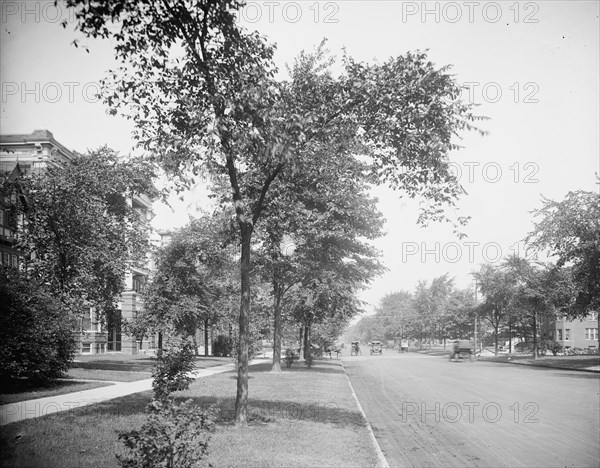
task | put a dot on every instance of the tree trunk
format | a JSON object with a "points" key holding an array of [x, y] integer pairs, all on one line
{"points": [[276, 328], [496, 340], [160, 339], [510, 337], [301, 341], [535, 340], [306, 341], [195, 341], [206, 337], [241, 399]]}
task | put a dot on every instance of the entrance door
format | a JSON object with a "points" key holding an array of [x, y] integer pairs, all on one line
{"points": [[113, 325]]}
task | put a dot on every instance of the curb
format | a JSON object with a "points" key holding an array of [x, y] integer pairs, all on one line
{"points": [[382, 462]]}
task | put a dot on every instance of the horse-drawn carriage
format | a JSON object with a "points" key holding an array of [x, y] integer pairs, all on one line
{"points": [[355, 348], [462, 349]]}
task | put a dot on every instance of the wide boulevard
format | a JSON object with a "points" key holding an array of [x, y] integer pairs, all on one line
{"points": [[427, 411]]}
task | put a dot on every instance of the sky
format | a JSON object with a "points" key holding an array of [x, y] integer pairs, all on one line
{"points": [[532, 68]]}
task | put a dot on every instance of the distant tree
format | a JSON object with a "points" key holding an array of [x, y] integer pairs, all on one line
{"points": [[457, 320], [497, 286], [394, 312], [36, 340], [430, 303], [538, 291], [190, 279], [570, 231]]}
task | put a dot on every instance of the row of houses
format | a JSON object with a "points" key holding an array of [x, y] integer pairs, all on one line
{"points": [[97, 334]]}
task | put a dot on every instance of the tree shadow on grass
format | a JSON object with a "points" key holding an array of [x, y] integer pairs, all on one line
{"points": [[319, 367], [25, 385], [124, 406], [262, 411], [145, 366]]}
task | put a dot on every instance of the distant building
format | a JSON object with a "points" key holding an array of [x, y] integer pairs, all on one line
{"points": [[31, 153], [24, 154], [577, 333]]}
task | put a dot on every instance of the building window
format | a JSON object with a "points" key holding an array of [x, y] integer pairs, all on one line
{"points": [[86, 347], [5, 259], [591, 334], [559, 334], [86, 320], [567, 334], [139, 284]]}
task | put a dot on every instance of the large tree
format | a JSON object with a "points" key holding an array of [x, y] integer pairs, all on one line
{"points": [[201, 92], [331, 221], [80, 231], [570, 231]]}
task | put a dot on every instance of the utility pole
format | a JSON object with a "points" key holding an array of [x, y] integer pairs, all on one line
{"points": [[475, 328]]}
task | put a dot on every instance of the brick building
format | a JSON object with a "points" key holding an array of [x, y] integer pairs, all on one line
{"points": [[30, 153], [577, 333]]}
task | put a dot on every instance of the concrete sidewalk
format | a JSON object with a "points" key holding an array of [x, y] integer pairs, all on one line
{"points": [[13, 412]]}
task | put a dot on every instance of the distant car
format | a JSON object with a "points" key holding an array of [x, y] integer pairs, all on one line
{"points": [[376, 347], [462, 349]]}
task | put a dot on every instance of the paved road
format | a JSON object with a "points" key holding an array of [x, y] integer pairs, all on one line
{"points": [[426, 411]]}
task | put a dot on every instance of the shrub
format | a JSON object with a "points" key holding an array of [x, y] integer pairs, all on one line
{"points": [[173, 370], [223, 346], [175, 435], [36, 330], [550, 345]]}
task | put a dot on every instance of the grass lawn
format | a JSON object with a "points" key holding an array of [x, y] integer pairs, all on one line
{"points": [[301, 417], [23, 390], [564, 362], [110, 375], [136, 363]]}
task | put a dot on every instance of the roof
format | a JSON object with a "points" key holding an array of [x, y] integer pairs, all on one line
{"points": [[37, 136]]}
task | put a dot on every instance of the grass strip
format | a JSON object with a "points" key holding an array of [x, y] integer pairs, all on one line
{"points": [[109, 375], [299, 417], [562, 362]]}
